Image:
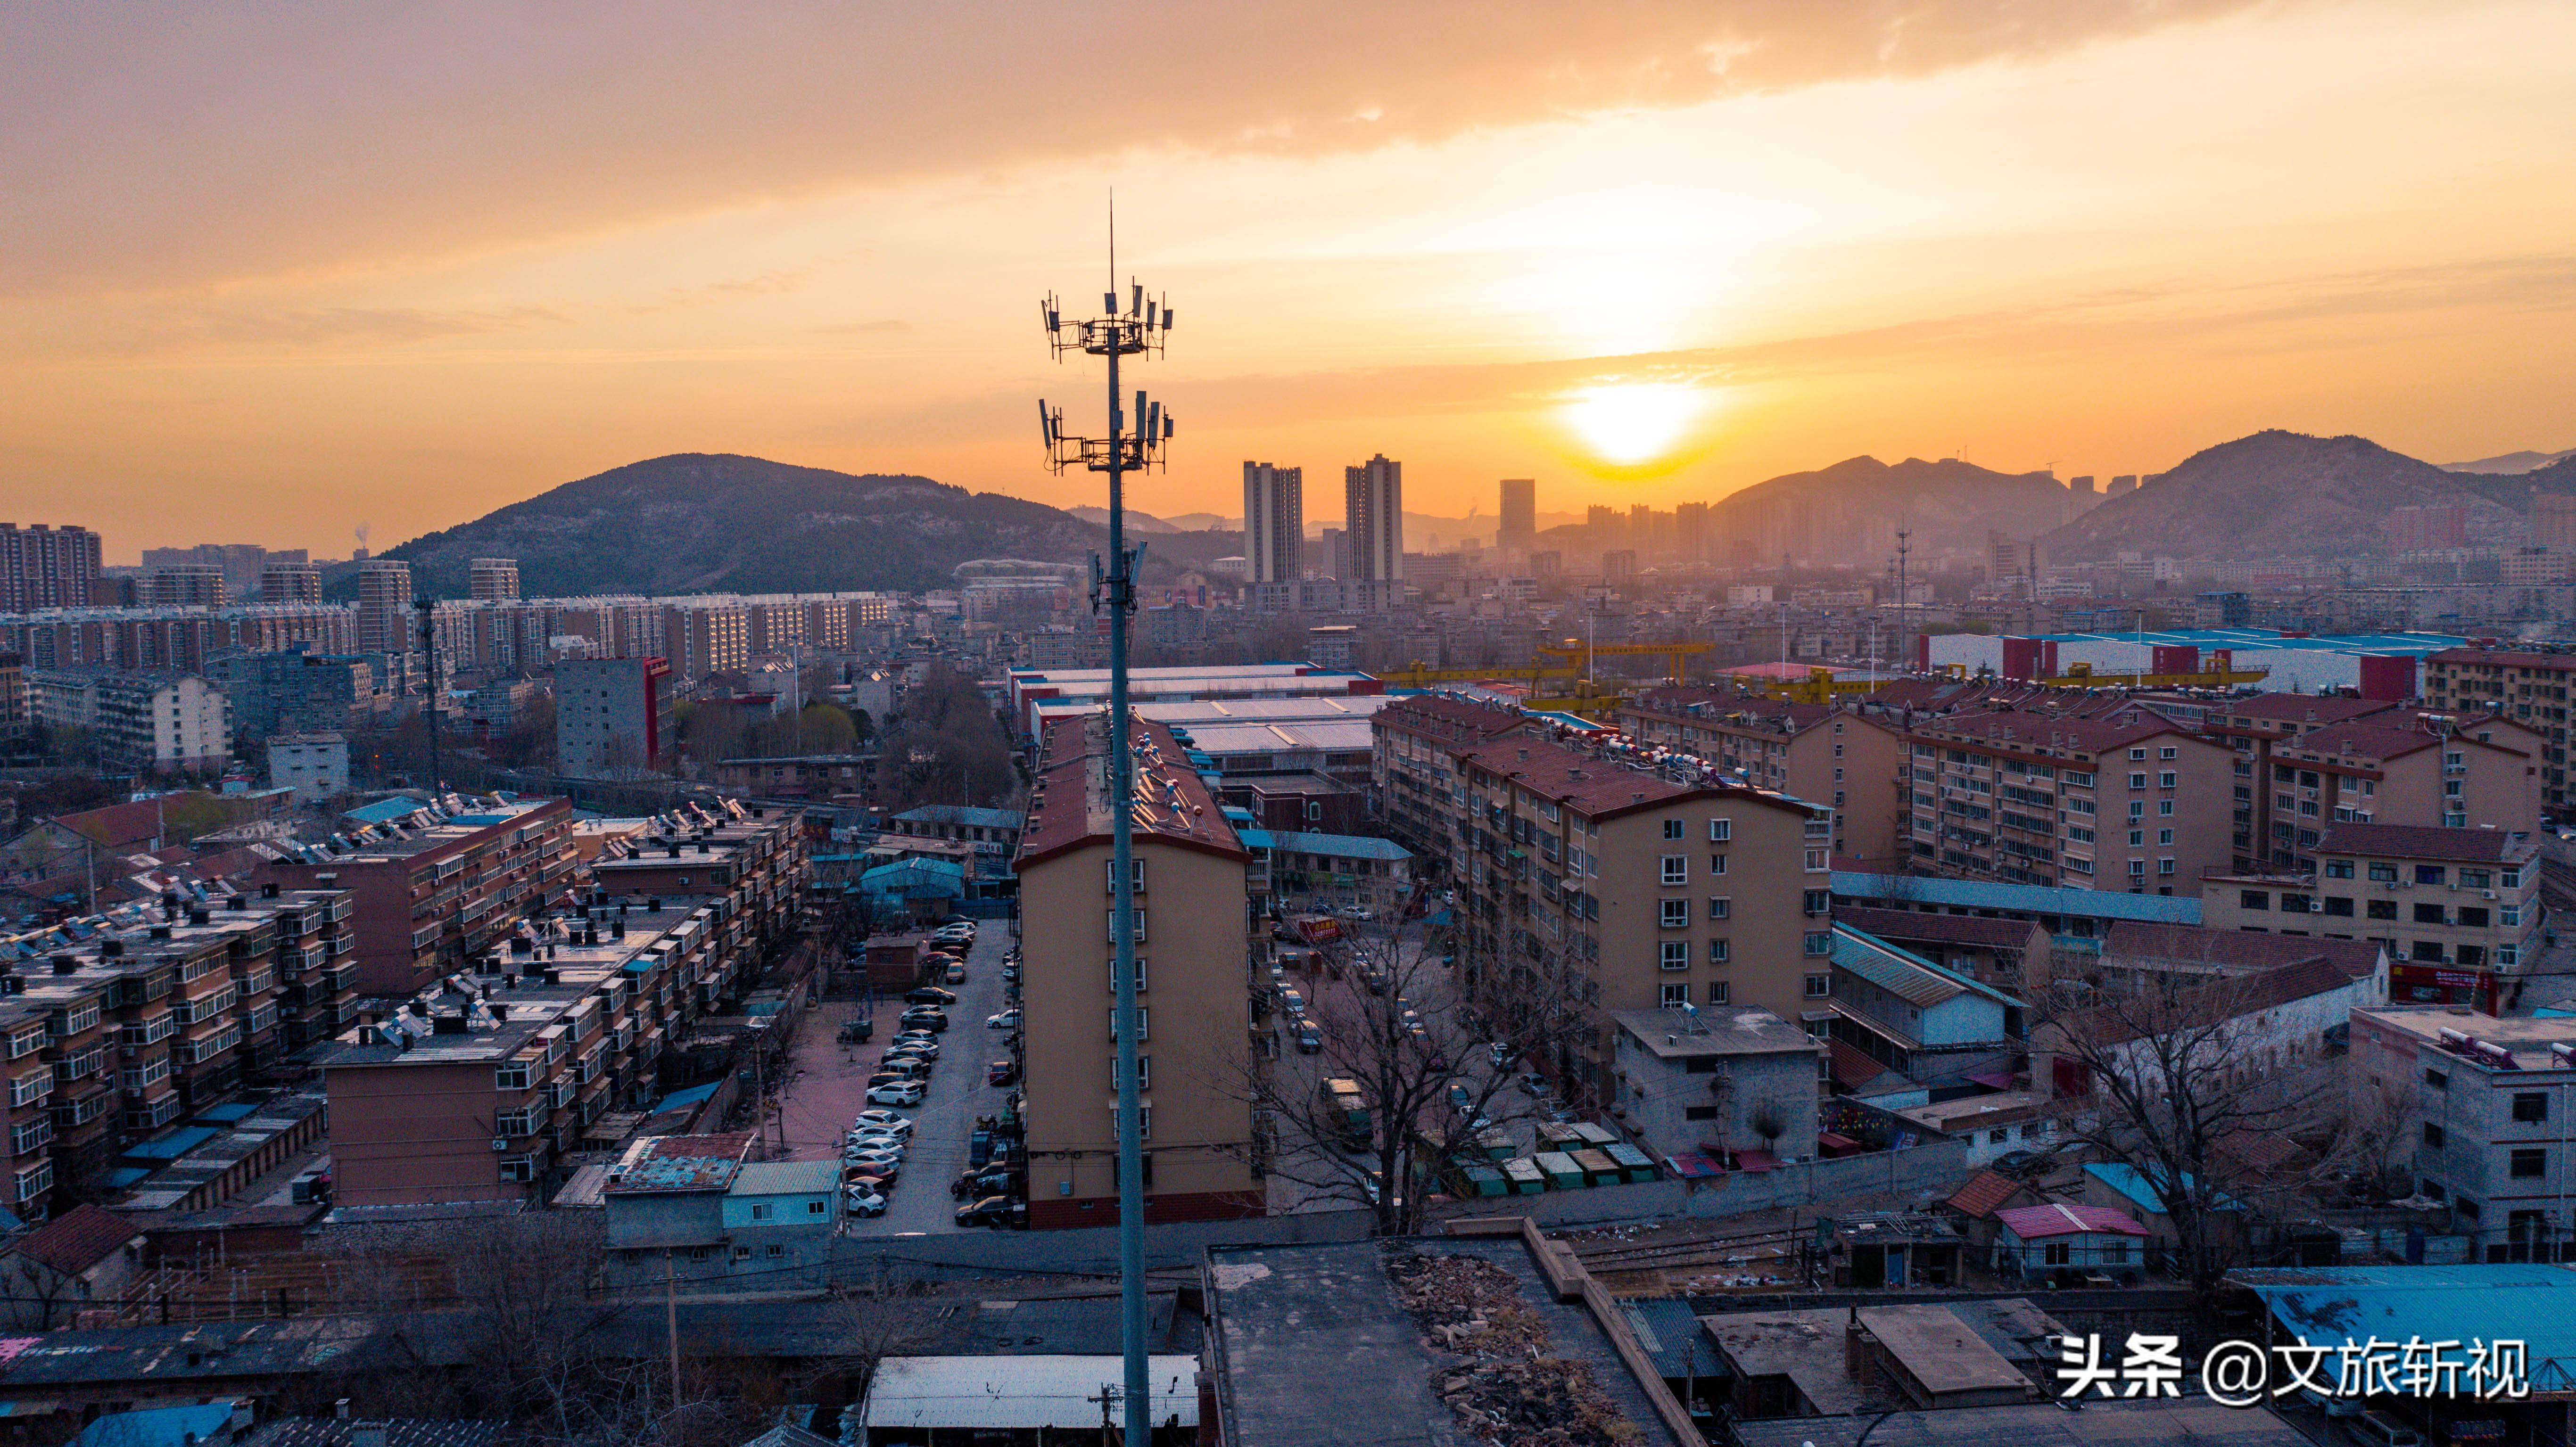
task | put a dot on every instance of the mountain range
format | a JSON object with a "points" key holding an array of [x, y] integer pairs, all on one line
{"points": [[2511, 462], [698, 522]]}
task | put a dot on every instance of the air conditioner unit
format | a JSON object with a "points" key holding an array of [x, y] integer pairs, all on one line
{"points": [[500, 1143]]}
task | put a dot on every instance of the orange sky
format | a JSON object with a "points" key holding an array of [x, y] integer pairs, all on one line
{"points": [[268, 278]]}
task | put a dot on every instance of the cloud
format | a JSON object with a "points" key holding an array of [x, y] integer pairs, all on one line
{"points": [[217, 142]]}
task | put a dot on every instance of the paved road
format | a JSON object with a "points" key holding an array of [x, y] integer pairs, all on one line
{"points": [[831, 1082]]}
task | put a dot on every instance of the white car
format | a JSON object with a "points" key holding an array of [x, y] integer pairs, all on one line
{"points": [[1007, 1020], [896, 1092], [871, 1137], [860, 1201], [876, 1160], [880, 1117]]}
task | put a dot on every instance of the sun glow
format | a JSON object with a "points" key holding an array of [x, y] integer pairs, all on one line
{"points": [[1632, 423]]}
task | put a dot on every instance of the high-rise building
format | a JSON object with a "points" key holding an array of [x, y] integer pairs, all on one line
{"points": [[1690, 528], [384, 606], [612, 717], [2410, 529], [1274, 523], [46, 567], [187, 585], [2126, 482], [240, 563], [284, 581], [1520, 515], [1373, 514], [495, 579], [1336, 547], [2553, 521]]}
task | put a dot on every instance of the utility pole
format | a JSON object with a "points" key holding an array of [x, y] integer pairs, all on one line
{"points": [[671, 1318], [1136, 331], [1904, 604]]}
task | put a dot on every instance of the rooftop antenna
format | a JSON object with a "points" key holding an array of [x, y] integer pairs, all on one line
{"points": [[1133, 445]]}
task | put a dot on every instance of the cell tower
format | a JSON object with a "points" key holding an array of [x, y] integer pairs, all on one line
{"points": [[1133, 445]]}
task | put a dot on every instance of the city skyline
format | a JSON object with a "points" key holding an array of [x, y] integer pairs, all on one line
{"points": [[1655, 260]]}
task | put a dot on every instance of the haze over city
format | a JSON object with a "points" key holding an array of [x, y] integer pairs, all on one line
{"points": [[275, 275]]}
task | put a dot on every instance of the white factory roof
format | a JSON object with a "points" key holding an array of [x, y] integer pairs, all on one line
{"points": [[1020, 1393], [1196, 714]]}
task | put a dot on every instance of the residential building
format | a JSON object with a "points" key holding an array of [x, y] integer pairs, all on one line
{"points": [[1315, 870], [15, 718], [1990, 1124], [991, 831], [1192, 976], [1517, 518], [750, 861], [2528, 688], [1373, 517], [1617, 888], [1274, 523], [299, 690], [1896, 1012], [799, 777], [1987, 949], [1716, 1081], [2440, 901], [478, 1086], [2135, 802], [241, 564], [2305, 763], [46, 567], [438, 888], [384, 607], [284, 581], [664, 1205], [1818, 753], [185, 585], [2414, 529], [493, 579], [612, 717], [706, 635], [315, 766], [2070, 1241], [2481, 1111], [152, 722], [82, 1258]]}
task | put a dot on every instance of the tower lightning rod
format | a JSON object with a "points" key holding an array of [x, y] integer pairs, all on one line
{"points": [[1137, 330]]}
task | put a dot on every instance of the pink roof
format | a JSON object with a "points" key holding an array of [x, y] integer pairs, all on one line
{"points": [[2031, 1223]]}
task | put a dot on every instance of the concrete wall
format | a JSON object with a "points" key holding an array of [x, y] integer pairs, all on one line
{"points": [[1088, 1249], [1936, 1167]]}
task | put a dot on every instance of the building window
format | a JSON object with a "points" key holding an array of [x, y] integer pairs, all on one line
{"points": [[1719, 992], [1720, 830], [2057, 1253], [1676, 995], [2531, 1106], [1144, 1022], [1674, 954], [2530, 1163], [2253, 899], [2164, 778], [1699, 1112], [1676, 869], [2432, 1134], [1997, 1137], [2383, 873], [2338, 869], [1676, 914], [1819, 943], [1717, 864], [815, 1208], [1818, 861], [1820, 987], [1718, 952], [2437, 1079], [2138, 780], [2428, 874], [762, 1211], [1720, 907]]}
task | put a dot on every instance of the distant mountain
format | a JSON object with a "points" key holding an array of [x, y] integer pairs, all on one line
{"points": [[1204, 522], [2511, 462], [704, 522], [1143, 522], [2286, 494], [1850, 512]]}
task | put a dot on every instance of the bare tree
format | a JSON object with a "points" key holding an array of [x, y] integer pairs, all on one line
{"points": [[1392, 1019], [2167, 1068]]}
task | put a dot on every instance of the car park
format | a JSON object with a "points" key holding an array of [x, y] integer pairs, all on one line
{"points": [[1002, 1072], [994, 1211], [895, 1092], [857, 1201]]}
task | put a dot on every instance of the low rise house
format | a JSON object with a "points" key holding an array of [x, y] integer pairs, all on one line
{"points": [[1989, 1125], [780, 1215], [2119, 1186], [2479, 1110], [665, 1207], [1979, 1206], [82, 1258], [2070, 1241], [1903, 1013], [1716, 1081]]}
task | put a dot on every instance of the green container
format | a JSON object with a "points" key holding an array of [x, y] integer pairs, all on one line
{"points": [[1523, 1176], [1484, 1181], [1561, 1171], [1598, 1169], [1634, 1164]]}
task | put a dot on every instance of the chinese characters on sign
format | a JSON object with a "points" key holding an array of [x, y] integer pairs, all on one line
{"points": [[2240, 1373]]}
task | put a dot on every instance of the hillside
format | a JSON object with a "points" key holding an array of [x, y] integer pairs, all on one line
{"points": [[2286, 494], [2511, 462], [1850, 512], [701, 522]]}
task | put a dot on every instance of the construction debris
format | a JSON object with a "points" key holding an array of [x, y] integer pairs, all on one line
{"points": [[1508, 1391]]}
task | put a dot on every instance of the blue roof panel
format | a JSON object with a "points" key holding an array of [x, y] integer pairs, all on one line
{"points": [[2019, 898]]}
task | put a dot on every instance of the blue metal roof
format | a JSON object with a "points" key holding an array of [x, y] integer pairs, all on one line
{"points": [[678, 1098], [1340, 846], [170, 1147], [1887, 966], [2259, 640], [2138, 1188], [961, 814], [158, 1427], [2541, 1314], [2019, 898], [385, 811], [2469, 1274]]}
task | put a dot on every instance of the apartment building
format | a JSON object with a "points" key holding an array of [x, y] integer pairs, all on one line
{"points": [[441, 884], [477, 1087], [13, 698], [1619, 889], [148, 722], [613, 717], [2443, 902], [706, 636], [2528, 688], [315, 766], [384, 607], [139, 1017], [749, 860], [2482, 1109], [1192, 980], [2133, 803], [1809, 750], [46, 567], [2306, 763], [1412, 769]]}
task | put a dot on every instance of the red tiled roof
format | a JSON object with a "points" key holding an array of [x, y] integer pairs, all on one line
{"points": [[1451, 717], [1984, 1195], [2033, 1223], [117, 825], [2237, 951], [1853, 1067], [78, 1240], [2417, 841], [2305, 708], [1959, 929], [2013, 729], [1172, 802], [1599, 788], [2364, 741], [2504, 658]]}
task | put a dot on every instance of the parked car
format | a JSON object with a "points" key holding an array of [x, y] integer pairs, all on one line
{"points": [[1310, 1040], [1534, 1084], [1501, 1053], [928, 1017], [2022, 1165], [1007, 1020], [994, 1211], [882, 1117], [982, 1182], [904, 1067], [956, 974], [857, 1201], [1011, 973], [895, 1092], [1002, 1072], [926, 1046], [979, 1148], [929, 995], [855, 1031]]}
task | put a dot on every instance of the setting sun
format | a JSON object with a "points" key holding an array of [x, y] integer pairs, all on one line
{"points": [[1628, 423]]}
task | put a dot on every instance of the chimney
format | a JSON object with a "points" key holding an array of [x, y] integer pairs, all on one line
{"points": [[66, 964]]}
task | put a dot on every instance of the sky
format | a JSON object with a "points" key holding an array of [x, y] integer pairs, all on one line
{"points": [[275, 274]]}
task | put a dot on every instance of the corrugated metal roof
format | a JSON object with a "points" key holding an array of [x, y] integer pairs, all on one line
{"points": [[786, 1178], [1903, 973], [2419, 1278], [1020, 1393], [2019, 898], [1343, 846], [2541, 1314], [681, 1163], [2139, 1189], [2033, 1223]]}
